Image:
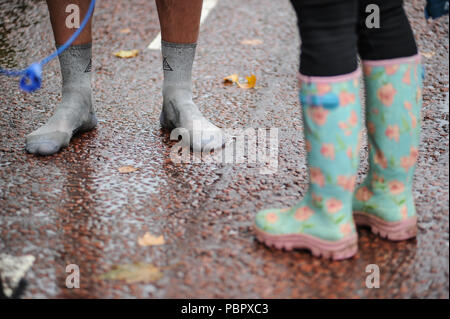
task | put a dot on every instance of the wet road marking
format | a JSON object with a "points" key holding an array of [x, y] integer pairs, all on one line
{"points": [[208, 5]]}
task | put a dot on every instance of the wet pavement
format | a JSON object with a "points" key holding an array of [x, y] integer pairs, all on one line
{"points": [[76, 208]]}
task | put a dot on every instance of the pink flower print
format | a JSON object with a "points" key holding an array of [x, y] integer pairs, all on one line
{"points": [[349, 152], [391, 69], [377, 178], [346, 229], [343, 125], [408, 105], [318, 114], [418, 95], [413, 154], [406, 163], [371, 127], [396, 187], [393, 132], [407, 77], [386, 94], [380, 159], [303, 213], [375, 111], [308, 146], [404, 212], [353, 120], [363, 194], [327, 150], [367, 70], [271, 218], [317, 176], [346, 98], [333, 205], [381, 179], [323, 88], [413, 120], [316, 197], [347, 183]]}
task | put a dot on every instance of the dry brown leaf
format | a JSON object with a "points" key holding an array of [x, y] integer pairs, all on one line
{"points": [[151, 240], [127, 169], [125, 31], [126, 53], [131, 273], [252, 42], [428, 54], [233, 78], [251, 81]]}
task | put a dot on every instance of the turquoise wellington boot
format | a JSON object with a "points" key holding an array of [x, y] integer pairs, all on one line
{"points": [[384, 201], [322, 221]]}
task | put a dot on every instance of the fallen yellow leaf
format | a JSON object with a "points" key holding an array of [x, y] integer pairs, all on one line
{"points": [[127, 169], [125, 31], [251, 81], [252, 42], [151, 240], [233, 78], [126, 53], [428, 54], [131, 273]]}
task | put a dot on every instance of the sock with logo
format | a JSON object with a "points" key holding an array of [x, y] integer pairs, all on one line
{"points": [[75, 113], [179, 110]]}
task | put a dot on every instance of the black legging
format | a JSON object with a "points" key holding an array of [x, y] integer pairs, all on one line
{"points": [[333, 32]]}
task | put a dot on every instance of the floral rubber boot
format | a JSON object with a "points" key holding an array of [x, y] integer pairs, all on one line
{"points": [[384, 201], [322, 221]]}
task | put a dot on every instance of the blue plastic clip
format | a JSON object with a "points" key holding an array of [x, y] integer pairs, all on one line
{"points": [[32, 80], [32, 76]]}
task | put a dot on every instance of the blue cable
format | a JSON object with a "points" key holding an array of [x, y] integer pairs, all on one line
{"points": [[31, 77]]}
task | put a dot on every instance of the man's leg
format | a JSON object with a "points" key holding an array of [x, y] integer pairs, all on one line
{"points": [[75, 112], [180, 21], [58, 16]]}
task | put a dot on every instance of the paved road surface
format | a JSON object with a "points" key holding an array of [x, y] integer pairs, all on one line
{"points": [[76, 208]]}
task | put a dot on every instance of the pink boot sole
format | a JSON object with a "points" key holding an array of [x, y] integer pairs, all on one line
{"points": [[336, 250], [401, 230]]}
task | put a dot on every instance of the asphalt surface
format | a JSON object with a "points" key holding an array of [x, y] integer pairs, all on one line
{"points": [[76, 208]]}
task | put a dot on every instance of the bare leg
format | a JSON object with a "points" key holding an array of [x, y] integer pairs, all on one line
{"points": [[75, 112], [58, 15], [180, 22]]}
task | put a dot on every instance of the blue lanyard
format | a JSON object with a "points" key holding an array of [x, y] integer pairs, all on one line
{"points": [[31, 76]]}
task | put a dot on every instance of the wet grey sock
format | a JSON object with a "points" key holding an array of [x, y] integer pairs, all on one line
{"points": [[75, 112], [179, 111]]}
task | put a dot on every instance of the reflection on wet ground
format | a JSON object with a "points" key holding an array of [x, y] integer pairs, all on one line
{"points": [[76, 208]]}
